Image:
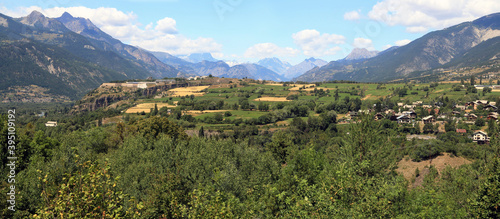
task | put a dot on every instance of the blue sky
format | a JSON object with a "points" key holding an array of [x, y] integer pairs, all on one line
{"points": [[248, 30]]}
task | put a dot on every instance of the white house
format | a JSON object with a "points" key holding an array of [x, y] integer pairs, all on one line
{"points": [[51, 124], [480, 137]]}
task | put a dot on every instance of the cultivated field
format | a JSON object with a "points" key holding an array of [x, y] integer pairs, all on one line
{"points": [[272, 99], [146, 107], [305, 86], [183, 91]]}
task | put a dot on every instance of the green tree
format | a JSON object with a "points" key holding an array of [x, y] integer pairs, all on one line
{"points": [[488, 200], [201, 132], [91, 192]]}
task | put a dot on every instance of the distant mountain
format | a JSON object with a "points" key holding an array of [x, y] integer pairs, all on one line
{"points": [[199, 57], [249, 70], [275, 64], [361, 53], [433, 50], [182, 65], [303, 67], [105, 42], [219, 68]]}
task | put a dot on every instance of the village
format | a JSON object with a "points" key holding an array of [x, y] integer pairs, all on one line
{"points": [[407, 116]]}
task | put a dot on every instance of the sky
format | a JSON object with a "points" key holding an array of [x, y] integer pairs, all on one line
{"points": [[249, 30]]}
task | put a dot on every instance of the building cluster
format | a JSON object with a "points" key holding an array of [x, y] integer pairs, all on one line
{"points": [[407, 115], [197, 78], [140, 84]]}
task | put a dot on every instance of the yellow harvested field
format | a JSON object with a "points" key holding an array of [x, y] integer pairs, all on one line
{"points": [[275, 84], [272, 99], [298, 86], [146, 107], [183, 91], [495, 90]]}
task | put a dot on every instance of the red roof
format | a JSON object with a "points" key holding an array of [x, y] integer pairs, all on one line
{"points": [[461, 131]]}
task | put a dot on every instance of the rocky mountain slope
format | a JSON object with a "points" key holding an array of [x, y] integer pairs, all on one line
{"points": [[104, 41], [42, 52], [433, 50]]}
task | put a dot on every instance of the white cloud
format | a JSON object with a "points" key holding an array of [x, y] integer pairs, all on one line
{"points": [[124, 26], [419, 16], [266, 50], [363, 43], [352, 16], [313, 43], [402, 42], [166, 25]]}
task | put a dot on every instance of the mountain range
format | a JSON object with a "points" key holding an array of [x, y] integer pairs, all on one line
{"points": [[451, 48], [70, 56]]}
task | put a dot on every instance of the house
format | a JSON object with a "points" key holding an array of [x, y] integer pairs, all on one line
{"points": [[455, 113], [389, 112], [428, 119], [490, 107], [41, 114], [411, 107], [401, 104], [471, 117], [417, 103], [404, 119], [411, 114], [426, 106], [480, 137], [353, 115], [460, 107], [51, 124], [378, 116], [492, 115], [461, 131]]}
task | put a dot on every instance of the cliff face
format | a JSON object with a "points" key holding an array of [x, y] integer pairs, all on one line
{"points": [[105, 96]]}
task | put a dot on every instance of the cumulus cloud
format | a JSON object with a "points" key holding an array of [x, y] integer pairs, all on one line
{"points": [[352, 16], [313, 43], [162, 36], [266, 50], [166, 25], [363, 43], [419, 16], [402, 42]]}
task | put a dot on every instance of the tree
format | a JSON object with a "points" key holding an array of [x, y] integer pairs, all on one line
{"points": [[480, 122], [201, 132], [91, 192], [263, 106], [428, 128], [488, 200], [472, 80], [336, 94]]}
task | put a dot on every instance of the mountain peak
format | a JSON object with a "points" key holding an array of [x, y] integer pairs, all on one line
{"points": [[361, 53], [66, 16], [36, 14], [312, 59]]}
